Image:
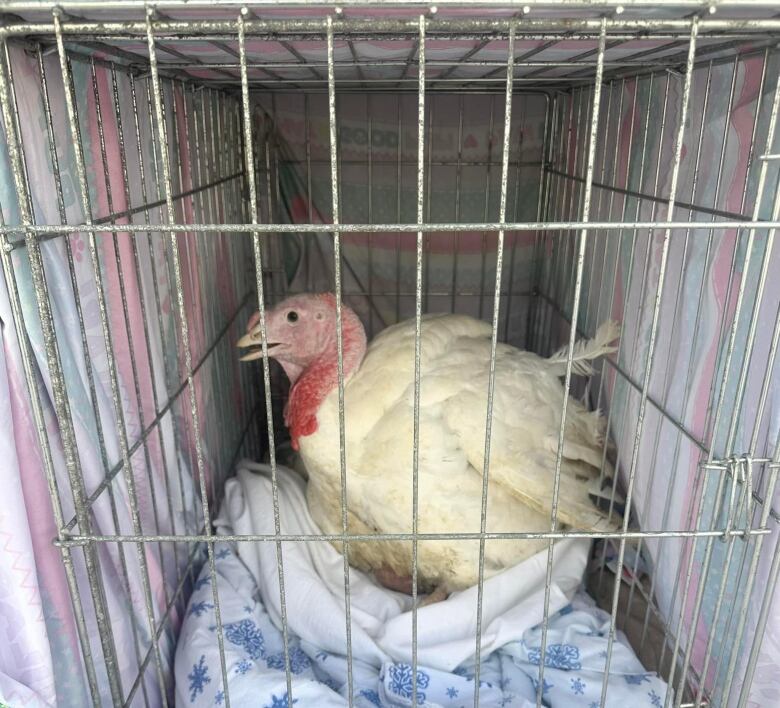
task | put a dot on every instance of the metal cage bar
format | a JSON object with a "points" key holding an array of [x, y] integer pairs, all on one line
{"points": [[48, 465], [257, 244], [418, 307], [110, 490], [335, 194], [594, 120], [746, 500], [667, 370], [317, 28], [62, 407], [561, 225], [719, 407], [493, 345], [741, 383], [109, 346], [81, 540], [651, 346], [185, 341]]}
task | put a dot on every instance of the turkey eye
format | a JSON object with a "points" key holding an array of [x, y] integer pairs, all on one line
{"points": [[292, 316]]}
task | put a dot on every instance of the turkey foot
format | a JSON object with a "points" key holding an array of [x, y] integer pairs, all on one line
{"points": [[437, 595], [392, 581], [403, 583]]}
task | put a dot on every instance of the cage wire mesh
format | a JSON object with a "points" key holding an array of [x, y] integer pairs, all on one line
{"points": [[168, 170]]}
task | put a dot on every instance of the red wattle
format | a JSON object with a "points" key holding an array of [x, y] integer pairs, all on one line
{"points": [[320, 378]]}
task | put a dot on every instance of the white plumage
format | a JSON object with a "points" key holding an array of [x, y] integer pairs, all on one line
{"points": [[454, 368], [379, 426]]}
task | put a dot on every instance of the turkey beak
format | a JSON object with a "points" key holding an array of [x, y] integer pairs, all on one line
{"points": [[253, 342]]}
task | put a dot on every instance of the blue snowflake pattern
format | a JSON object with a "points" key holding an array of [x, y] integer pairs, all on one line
{"points": [[401, 681], [199, 677], [299, 661], [224, 553], [636, 679], [202, 582], [655, 699], [371, 696], [452, 692], [243, 667], [557, 656], [199, 608], [276, 661], [219, 698], [283, 702], [546, 686], [507, 699], [578, 686], [245, 634]]}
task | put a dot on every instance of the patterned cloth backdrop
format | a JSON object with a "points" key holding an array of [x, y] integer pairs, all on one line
{"points": [[693, 336], [41, 662]]}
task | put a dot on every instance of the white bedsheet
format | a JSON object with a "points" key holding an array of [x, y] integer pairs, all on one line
{"points": [[381, 626]]}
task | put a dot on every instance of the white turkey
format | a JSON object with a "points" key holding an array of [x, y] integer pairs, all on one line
{"points": [[379, 425]]}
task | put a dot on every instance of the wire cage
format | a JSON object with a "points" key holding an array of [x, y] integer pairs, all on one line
{"points": [[168, 169]]}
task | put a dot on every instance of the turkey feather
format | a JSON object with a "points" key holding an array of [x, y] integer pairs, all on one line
{"points": [[586, 350]]}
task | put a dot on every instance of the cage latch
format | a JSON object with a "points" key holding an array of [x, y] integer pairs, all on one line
{"points": [[740, 470]]}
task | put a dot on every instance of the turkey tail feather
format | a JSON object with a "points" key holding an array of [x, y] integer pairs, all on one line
{"points": [[586, 350]]}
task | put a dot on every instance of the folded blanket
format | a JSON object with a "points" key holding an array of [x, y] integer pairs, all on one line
{"points": [[248, 585]]}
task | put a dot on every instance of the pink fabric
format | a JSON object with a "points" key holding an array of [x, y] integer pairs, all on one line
{"points": [[38, 620]]}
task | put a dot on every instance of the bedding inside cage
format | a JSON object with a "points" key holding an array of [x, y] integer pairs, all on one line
{"points": [[128, 409], [381, 620]]}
